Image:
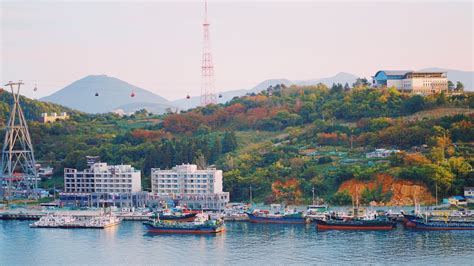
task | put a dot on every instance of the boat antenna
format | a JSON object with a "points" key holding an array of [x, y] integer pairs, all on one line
{"points": [[250, 191]]}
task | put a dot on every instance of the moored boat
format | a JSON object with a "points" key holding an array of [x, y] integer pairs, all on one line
{"points": [[440, 225], [201, 225], [430, 222], [178, 214], [317, 212], [381, 223], [177, 217], [277, 216]]}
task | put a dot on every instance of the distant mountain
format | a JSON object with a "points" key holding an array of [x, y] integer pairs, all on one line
{"points": [[466, 77], [113, 94], [341, 77], [195, 101], [269, 82]]}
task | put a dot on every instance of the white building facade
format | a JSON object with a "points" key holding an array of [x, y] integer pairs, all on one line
{"points": [[469, 194], [423, 83], [102, 178], [198, 188]]}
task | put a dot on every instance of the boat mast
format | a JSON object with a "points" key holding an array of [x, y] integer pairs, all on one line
{"points": [[250, 191]]}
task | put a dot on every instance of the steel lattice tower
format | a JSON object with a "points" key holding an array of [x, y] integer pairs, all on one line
{"points": [[17, 171], [208, 95]]}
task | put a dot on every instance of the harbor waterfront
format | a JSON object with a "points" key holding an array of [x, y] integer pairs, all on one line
{"points": [[241, 243]]}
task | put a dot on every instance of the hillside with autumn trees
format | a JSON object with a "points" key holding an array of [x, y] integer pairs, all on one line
{"points": [[284, 141]]}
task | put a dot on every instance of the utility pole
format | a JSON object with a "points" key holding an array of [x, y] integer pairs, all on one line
{"points": [[313, 194], [18, 166]]}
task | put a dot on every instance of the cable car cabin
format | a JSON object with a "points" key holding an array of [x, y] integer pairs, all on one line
{"points": [[188, 97]]}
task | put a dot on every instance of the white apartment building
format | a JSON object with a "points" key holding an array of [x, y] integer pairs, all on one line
{"points": [[102, 178], [425, 82], [186, 179], [198, 189]]}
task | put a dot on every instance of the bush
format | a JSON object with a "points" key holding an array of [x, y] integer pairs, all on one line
{"points": [[324, 160]]}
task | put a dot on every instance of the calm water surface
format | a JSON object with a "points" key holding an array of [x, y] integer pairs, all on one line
{"points": [[242, 243]]}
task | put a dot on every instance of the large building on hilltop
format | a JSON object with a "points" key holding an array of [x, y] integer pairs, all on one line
{"points": [[196, 188], [417, 82]]}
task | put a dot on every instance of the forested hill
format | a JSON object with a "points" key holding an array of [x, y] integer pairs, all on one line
{"points": [[285, 143], [31, 108]]}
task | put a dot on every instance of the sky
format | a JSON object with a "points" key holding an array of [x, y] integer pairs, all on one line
{"points": [[157, 45]]}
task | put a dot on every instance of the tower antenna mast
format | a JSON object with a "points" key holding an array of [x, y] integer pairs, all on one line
{"points": [[18, 166], [208, 95]]}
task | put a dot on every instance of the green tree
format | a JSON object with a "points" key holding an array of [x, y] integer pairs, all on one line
{"points": [[450, 85], [341, 198], [229, 142]]}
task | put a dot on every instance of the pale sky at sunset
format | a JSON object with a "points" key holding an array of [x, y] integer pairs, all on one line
{"points": [[157, 45]]}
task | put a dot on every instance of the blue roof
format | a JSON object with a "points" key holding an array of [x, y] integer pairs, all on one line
{"points": [[387, 74], [458, 197]]}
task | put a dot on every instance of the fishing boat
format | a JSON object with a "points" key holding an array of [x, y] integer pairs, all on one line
{"points": [[177, 214], [275, 216], [379, 223], [201, 225], [235, 212], [428, 221], [317, 212], [433, 218], [442, 225], [359, 219]]}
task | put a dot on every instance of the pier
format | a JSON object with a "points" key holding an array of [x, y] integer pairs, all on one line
{"points": [[36, 215]]}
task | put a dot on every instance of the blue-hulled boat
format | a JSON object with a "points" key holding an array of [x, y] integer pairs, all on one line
{"points": [[278, 218], [440, 225]]}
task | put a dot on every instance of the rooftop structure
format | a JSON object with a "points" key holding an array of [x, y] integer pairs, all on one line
{"points": [[381, 153]]}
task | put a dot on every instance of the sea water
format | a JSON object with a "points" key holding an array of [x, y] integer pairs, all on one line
{"points": [[242, 243]]}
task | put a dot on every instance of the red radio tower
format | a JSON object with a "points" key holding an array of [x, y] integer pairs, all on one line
{"points": [[207, 69]]}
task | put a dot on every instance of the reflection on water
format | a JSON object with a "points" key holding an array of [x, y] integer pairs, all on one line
{"points": [[241, 243]]}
